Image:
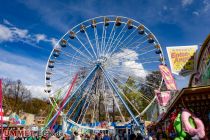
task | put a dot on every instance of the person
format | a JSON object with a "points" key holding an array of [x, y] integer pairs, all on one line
{"points": [[53, 138], [139, 137], [132, 137], [106, 137], [77, 136]]}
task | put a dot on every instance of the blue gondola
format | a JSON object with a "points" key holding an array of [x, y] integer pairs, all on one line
{"points": [[129, 23], [93, 25], [63, 43], [151, 38], [118, 21], [72, 35], [51, 66], [82, 28], [56, 54], [141, 29], [141, 32], [47, 78], [106, 21], [158, 51]]}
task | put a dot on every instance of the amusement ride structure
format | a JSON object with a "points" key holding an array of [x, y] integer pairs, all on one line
{"points": [[90, 65]]}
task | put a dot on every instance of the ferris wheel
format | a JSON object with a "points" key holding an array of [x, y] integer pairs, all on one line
{"points": [[88, 71]]}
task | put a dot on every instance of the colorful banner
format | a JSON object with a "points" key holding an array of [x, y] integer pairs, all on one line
{"points": [[182, 59], [163, 97], [168, 77]]}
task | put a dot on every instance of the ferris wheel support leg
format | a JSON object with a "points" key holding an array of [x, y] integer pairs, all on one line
{"points": [[70, 97], [74, 104], [79, 109], [136, 121]]}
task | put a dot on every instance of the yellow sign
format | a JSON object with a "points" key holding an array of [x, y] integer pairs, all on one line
{"points": [[182, 59]]}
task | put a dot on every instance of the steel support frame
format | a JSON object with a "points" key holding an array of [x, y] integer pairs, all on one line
{"points": [[70, 97], [122, 100]]}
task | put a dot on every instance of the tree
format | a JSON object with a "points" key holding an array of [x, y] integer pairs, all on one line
{"points": [[15, 93], [152, 80], [130, 90]]}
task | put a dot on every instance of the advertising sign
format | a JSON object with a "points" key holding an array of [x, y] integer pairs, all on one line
{"points": [[182, 59], [168, 77]]}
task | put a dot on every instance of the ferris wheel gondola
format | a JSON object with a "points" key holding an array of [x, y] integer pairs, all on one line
{"points": [[104, 52]]}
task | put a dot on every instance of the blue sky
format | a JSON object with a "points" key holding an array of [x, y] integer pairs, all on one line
{"points": [[28, 29]]}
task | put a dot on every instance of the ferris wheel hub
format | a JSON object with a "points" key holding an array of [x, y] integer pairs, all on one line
{"points": [[101, 61]]}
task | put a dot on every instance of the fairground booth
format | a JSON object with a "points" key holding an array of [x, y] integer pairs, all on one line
{"points": [[194, 99]]}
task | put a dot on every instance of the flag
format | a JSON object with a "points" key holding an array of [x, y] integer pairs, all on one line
{"points": [[168, 77], [163, 97]]}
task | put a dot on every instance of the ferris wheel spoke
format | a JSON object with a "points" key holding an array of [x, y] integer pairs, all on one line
{"points": [[93, 115], [126, 98], [122, 66], [91, 45], [129, 37], [139, 61], [128, 47], [144, 82], [122, 31], [86, 105], [81, 53], [121, 43], [97, 42], [138, 44], [65, 77], [66, 83], [143, 96], [126, 71], [104, 42], [111, 44], [84, 47], [129, 101], [128, 54], [71, 64], [123, 76], [86, 91], [83, 108], [110, 36], [145, 48], [78, 63], [136, 41], [104, 54], [103, 37], [77, 58], [77, 105], [105, 98], [115, 101]]}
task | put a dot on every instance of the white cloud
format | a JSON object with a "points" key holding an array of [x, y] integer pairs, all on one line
{"points": [[40, 37], [196, 13], [10, 33], [29, 71], [22, 72], [5, 33], [37, 91], [206, 5], [19, 33], [53, 41], [127, 63], [186, 2], [5, 21]]}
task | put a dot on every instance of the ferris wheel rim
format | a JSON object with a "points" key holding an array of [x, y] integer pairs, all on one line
{"points": [[98, 23]]}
